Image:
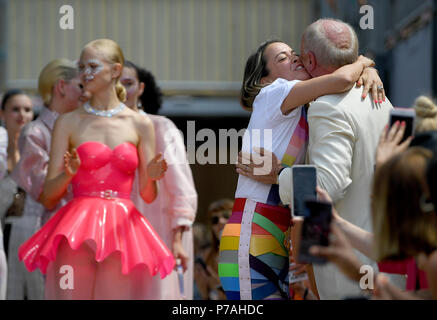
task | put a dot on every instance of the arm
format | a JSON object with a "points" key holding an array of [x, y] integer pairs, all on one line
{"points": [[30, 172], [57, 179], [178, 180], [384, 290], [3, 152], [247, 162], [150, 166], [339, 81], [360, 239], [341, 254], [331, 146], [178, 184]]}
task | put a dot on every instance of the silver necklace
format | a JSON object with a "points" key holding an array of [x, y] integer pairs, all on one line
{"points": [[104, 113]]}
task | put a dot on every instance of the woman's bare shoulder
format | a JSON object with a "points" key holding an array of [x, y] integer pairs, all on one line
{"points": [[68, 120], [142, 121]]}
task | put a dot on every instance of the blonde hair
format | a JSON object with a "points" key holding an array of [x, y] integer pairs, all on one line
{"points": [[114, 54], [55, 70], [401, 225], [426, 114]]}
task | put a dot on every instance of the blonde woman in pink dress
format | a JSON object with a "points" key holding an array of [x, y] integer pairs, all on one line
{"points": [[99, 246], [173, 211]]}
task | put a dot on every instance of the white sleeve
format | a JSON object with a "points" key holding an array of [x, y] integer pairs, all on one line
{"points": [[271, 97], [3, 152], [331, 146]]}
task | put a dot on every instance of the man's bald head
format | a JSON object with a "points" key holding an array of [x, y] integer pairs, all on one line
{"points": [[333, 43]]}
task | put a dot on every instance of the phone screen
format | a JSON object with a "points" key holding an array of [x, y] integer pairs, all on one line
{"points": [[315, 230], [304, 187], [407, 115]]}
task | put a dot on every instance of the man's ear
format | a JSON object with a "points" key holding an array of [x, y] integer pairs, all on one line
{"points": [[141, 89], [312, 62]]}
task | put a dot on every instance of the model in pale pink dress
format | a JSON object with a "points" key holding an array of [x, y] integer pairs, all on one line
{"points": [[174, 209]]}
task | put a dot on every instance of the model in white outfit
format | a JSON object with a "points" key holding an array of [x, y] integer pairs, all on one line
{"points": [[3, 169], [175, 206]]}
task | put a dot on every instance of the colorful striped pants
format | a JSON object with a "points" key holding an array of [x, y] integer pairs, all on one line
{"points": [[254, 251]]}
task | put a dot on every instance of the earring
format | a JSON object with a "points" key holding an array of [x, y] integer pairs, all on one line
{"points": [[139, 104]]}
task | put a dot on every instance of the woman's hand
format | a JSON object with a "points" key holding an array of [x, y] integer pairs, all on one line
{"points": [[178, 249], [388, 145], [324, 196], [384, 290], [366, 61], [179, 253], [156, 168], [262, 166], [341, 253], [372, 82], [71, 163]]}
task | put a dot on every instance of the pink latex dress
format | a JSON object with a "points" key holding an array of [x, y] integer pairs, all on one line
{"points": [[101, 211]]}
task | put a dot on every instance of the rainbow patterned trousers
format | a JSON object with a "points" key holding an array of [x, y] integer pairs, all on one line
{"points": [[254, 249]]}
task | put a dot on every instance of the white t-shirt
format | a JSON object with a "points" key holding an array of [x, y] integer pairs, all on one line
{"points": [[271, 129]]}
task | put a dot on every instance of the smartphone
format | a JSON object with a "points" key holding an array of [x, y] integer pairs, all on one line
{"points": [[404, 114], [315, 230], [304, 182]]}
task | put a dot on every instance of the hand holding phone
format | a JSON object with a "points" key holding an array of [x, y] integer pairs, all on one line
{"points": [[315, 231], [404, 114]]}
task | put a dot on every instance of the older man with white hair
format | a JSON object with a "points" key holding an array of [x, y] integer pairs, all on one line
{"points": [[344, 132]]}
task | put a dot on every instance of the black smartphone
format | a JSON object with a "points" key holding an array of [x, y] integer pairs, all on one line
{"points": [[304, 182], [315, 230], [404, 114]]}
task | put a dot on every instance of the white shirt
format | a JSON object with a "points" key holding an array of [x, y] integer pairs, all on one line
{"points": [[268, 128]]}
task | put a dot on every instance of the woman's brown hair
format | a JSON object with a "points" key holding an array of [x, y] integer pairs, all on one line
{"points": [[255, 69], [404, 222]]}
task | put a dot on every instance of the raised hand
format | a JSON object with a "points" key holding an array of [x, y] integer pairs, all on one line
{"points": [[389, 143], [71, 162], [156, 167]]}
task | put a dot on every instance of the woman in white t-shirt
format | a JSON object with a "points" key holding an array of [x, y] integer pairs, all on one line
{"points": [[254, 248]]}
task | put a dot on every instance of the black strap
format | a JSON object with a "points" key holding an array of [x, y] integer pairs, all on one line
{"points": [[264, 269]]}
